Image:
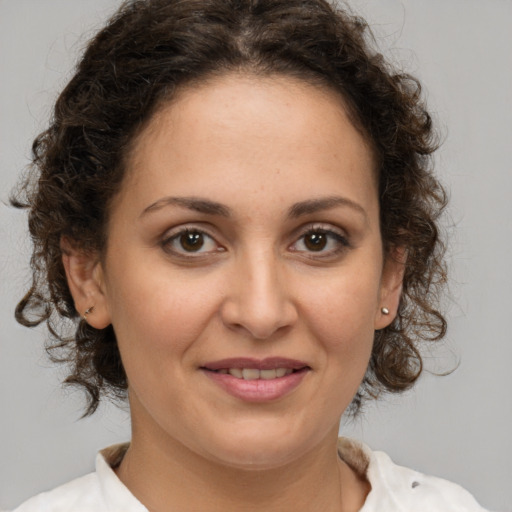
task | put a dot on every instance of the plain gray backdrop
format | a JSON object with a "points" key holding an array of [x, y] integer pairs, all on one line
{"points": [[458, 427]]}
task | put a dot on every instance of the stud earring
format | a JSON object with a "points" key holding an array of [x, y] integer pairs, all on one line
{"points": [[384, 311], [87, 312]]}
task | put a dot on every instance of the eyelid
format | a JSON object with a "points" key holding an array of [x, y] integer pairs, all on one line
{"points": [[174, 233], [187, 226], [320, 226], [340, 235]]}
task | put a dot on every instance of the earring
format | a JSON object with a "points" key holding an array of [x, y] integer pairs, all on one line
{"points": [[87, 312], [384, 311]]}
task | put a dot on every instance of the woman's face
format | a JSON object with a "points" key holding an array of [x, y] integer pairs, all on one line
{"points": [[244, 274]]}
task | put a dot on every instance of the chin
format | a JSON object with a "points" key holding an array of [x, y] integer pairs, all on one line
{"points": [[260, 449], [256, 458]]}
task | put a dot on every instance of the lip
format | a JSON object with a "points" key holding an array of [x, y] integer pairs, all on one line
{"points": [[258, 390], [269, 363]]}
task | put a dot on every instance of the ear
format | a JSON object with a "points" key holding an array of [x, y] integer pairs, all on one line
{"points": [[84, 274], [390, 287]]}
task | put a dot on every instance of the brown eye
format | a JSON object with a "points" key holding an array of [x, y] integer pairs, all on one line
{"points": [[191, 241], [316, 241], [320, 242]]}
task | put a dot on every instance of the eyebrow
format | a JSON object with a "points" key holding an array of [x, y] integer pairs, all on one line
{"points": [[324, 203], [190, 203], [299, 209]]}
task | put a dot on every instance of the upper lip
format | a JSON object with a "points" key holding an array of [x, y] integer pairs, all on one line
{"points": [[268, 363]]}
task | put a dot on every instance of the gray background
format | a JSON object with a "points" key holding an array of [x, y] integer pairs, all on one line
{"points": [[457, 427]]}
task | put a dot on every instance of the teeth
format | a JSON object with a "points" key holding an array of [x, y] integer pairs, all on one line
{"points": [[267, 374], [254, 374], [250, 374], [281, 372]]}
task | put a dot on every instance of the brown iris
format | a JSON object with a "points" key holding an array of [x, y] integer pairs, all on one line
{"points": [[315, 241], [192, 241]]}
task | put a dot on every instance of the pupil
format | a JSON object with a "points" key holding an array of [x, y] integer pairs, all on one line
{"points": [[192, 241], [316, 241]]}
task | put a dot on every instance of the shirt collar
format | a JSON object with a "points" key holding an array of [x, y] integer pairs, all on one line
{"points": [[116, 495]]}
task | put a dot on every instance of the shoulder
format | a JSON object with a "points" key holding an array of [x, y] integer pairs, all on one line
{"points": [[408, 488], [82, 494], [400, 489], [101, 491]]}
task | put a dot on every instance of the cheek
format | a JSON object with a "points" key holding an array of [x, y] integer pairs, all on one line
{"points": [[342, 314], [340, 318], [158, 310], [158, 324]]}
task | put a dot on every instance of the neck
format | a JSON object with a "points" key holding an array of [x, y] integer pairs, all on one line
{"points": [[165, 475]]}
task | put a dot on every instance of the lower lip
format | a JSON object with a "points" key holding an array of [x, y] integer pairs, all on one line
{"points": [[257, 390]]}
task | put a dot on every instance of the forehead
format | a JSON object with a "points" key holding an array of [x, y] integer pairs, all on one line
{"points": [[223, 98], [252, 131]]}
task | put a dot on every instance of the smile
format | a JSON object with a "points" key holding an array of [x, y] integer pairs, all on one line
{"points": [[254, 380], [254, 373]]}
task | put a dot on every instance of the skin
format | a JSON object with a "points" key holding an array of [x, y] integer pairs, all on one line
{"points": [[258, 147]]}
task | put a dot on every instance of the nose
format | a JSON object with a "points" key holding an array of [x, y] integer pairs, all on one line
{"points": [[258, 297]]}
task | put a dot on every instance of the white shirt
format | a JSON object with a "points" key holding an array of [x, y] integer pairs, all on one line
{"points": [[393, 488]]}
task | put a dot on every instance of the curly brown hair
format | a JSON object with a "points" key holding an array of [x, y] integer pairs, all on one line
{"points": [[151, 48]]}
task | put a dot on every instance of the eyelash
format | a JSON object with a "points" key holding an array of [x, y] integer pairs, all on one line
{"points": [[331, 235], [168, 241], [340, 240]]}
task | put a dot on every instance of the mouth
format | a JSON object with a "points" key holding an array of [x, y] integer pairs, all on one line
{"points": [[255, 373], [250, 368], [257, 380]]}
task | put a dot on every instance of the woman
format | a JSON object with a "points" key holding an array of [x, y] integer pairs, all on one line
{"points": [[235, 205]]}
